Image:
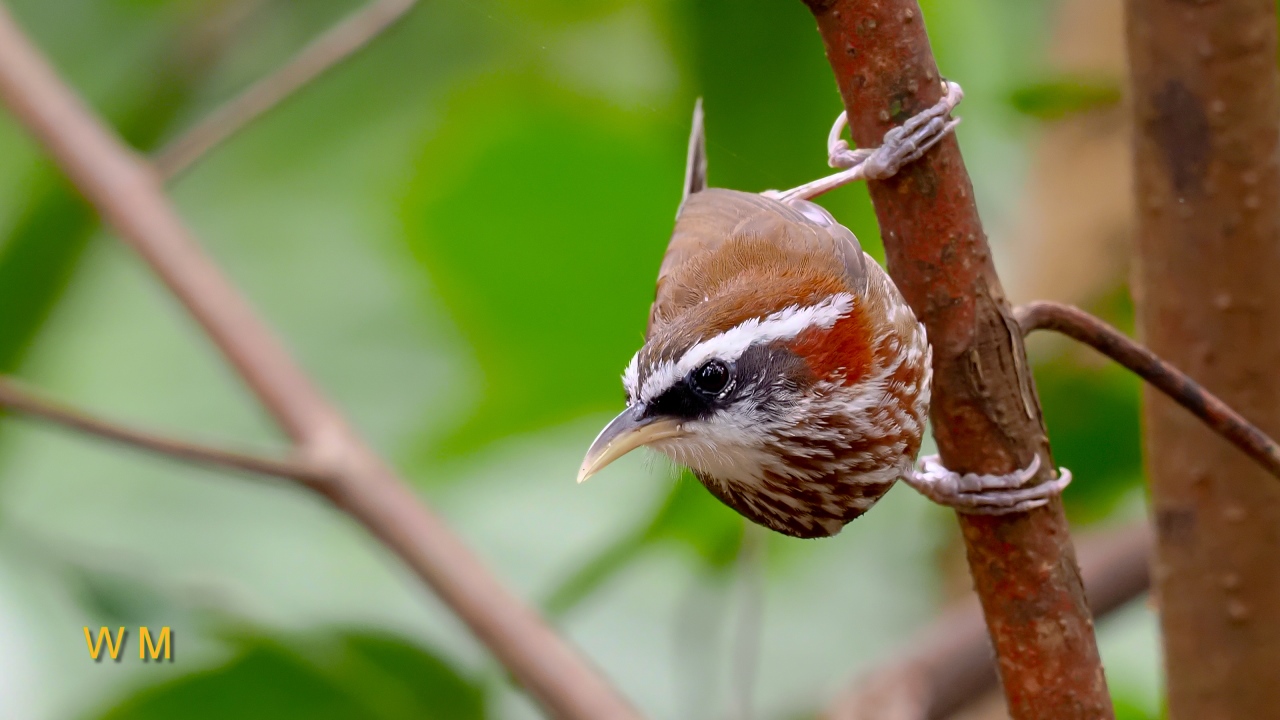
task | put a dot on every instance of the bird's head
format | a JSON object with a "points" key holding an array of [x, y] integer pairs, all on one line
{"points": [[743, 385], [799, 417]]}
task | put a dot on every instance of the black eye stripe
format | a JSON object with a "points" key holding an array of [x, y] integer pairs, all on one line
{"points": [[680, 401], [696, 395]]}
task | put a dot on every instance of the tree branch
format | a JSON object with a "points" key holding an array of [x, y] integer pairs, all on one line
{"points": [[128, 194], [986, 416], [15, 398], [948, 664], [339, 43], [1083, 327]]}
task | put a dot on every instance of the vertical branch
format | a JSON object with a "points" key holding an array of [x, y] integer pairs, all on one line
{"points": [[1206, 103], [986, 416]]}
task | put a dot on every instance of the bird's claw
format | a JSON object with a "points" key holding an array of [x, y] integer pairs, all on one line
{"points": [[985, 494], [903, 144]]}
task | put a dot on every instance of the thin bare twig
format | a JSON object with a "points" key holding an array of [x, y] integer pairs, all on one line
{"points": [[948, 664], [128, 194], [1083, 327], [15, 398], [339, 43]]}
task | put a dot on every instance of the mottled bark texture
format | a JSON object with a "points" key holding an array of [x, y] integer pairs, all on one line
{"points": [[1206, 124], [986, 415]]}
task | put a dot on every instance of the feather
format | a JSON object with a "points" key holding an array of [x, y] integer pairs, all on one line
{"points": [[726, 237], [695, 169]]}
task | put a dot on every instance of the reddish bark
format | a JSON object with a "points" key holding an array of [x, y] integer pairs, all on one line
{"points": [[986, 415]]}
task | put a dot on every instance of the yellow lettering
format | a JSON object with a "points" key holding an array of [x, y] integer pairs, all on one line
{"points": [[145, 645], [113, 645]]}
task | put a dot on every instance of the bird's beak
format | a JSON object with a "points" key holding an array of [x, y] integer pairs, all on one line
{"points": [[623, 434]]}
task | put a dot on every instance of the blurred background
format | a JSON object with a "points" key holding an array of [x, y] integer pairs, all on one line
{"points": [[457, 232]]}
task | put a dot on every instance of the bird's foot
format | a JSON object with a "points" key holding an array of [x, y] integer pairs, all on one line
{"points": [[903, 144], [985, 494]]}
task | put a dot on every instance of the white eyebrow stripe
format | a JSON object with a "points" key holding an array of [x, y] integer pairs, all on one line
{"points": [[631, 376], [729, 345]]}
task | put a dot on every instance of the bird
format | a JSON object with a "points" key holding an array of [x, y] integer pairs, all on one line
{"points": [[781, 363]]}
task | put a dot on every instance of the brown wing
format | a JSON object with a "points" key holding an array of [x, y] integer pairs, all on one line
{"points": [[713, 217]]}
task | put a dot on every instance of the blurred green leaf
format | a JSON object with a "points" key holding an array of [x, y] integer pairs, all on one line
{"points": [[1116, 308], [402, 680], [770, 100], [1130, 710], [560, 12], [113, 598], [1059, 97], [347, 676], [596, 572], [543, 234], [39, 254], [153, 4], [1092, 418], [1092, 413], [694, 517], [37, 260], [690, 517]]}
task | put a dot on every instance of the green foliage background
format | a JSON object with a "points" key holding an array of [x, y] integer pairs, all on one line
{"points": [[457, 233]]}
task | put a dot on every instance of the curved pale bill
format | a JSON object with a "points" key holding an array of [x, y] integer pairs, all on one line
{"points": [[623, 434]]}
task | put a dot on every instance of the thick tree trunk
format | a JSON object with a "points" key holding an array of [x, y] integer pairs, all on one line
{"points": [[1207, 124]]}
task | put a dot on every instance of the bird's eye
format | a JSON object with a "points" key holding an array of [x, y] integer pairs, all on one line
{"points": [[711, 378]]}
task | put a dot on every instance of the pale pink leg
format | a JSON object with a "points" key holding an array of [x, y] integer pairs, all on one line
{"points": [[903, 144], [985, 494]]}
